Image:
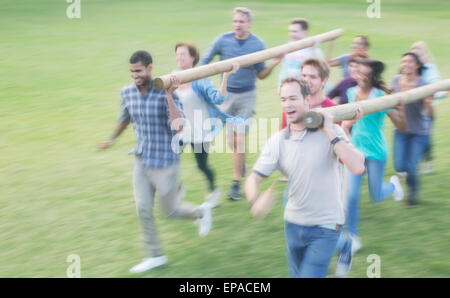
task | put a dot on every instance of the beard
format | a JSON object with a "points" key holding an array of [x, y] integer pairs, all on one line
{"points": [[240, 33], [144, 81], [298, 119]]}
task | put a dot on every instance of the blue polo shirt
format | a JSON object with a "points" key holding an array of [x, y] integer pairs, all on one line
{"points": [[228, 46]]}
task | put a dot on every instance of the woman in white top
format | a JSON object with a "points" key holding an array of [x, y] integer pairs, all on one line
{"points": [[200, 99]]}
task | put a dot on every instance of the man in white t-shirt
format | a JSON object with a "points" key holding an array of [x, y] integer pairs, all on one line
{"points": [[314, 213], [292, 62]]}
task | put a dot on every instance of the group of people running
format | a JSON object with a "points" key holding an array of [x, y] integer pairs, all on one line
{"points": [[314, 162]]}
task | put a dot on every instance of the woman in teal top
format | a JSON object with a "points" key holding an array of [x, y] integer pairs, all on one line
{"points": [[368, 137]]}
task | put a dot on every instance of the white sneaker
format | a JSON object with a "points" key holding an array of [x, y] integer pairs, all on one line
{"points": [[402, 174], [205, 222], [398, 190], [149, 263], [426, 167], [356, 243], [213, 198], [283, 179]]}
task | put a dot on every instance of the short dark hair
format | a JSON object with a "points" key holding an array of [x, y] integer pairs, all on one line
{"points": [[141, 56], [320, 65], [304, 86], [192, 50], [302, 22], [365, 40]]}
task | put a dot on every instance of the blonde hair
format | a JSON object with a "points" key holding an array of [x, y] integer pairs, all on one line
{"points": [[244, 10], [421, 45]]}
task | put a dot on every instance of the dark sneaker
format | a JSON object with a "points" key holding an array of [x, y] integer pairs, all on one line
{"points": [[412, 203], [234, 191]]}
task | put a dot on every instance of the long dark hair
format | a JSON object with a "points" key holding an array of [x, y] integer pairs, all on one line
{"points": [[377, 68], [416, 57]]}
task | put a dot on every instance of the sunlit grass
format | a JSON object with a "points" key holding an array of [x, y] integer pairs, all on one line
{"points": [[59, 96]]}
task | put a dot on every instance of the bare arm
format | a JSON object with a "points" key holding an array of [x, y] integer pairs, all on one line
{"points": [[349, 155], [428, 105], [397, 117], [260, 204], [174, 113], [226, 75], [347, 124], [266, 71], [121, 126], [329, 50], [252, 187], [334, 62]]}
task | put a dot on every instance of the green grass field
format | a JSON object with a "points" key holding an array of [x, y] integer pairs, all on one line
{"points": [[59, 95]]}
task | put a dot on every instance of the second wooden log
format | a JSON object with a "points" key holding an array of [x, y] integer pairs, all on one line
{"points": [[314, 119]]}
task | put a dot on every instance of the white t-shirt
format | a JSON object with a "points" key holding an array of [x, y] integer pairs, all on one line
{"points": [[312, 167], [291, 65], [196, 112]]}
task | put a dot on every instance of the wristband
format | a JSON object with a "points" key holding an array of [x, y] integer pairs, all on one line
{"points": [[336, 140]]}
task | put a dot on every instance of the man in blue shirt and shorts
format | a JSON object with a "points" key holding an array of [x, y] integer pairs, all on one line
{"points": [[241, 86]]}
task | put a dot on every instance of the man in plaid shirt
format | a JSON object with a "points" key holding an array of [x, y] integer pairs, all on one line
{"points": [[155, 116]]}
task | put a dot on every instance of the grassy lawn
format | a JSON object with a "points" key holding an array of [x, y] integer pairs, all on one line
{"points": [[59, 95]]}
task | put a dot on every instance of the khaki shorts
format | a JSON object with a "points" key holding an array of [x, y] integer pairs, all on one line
{"points": [[239, 104]]}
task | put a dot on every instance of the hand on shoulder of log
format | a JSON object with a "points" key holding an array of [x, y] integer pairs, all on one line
{"points": [[233, 70], [327, 126], [278, 58], [401, 105], [347, 124], [316, 44], [174, 84], [359, 113]]}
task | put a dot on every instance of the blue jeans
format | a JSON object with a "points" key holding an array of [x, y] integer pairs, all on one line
{"points": [[408, 151], [378, 190], [309, 249]]}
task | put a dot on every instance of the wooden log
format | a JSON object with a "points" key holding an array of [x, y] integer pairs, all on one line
{"points": [[207, 70], [314, 119]]}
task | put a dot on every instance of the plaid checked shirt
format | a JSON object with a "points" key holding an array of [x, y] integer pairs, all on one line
{"points": [[150, 117]]}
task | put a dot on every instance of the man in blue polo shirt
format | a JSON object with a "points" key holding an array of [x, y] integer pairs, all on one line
{"points": [[241, 86], [155, 116]]}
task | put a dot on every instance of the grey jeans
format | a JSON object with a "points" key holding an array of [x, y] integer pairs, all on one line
{"points": [[167, 182]]}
